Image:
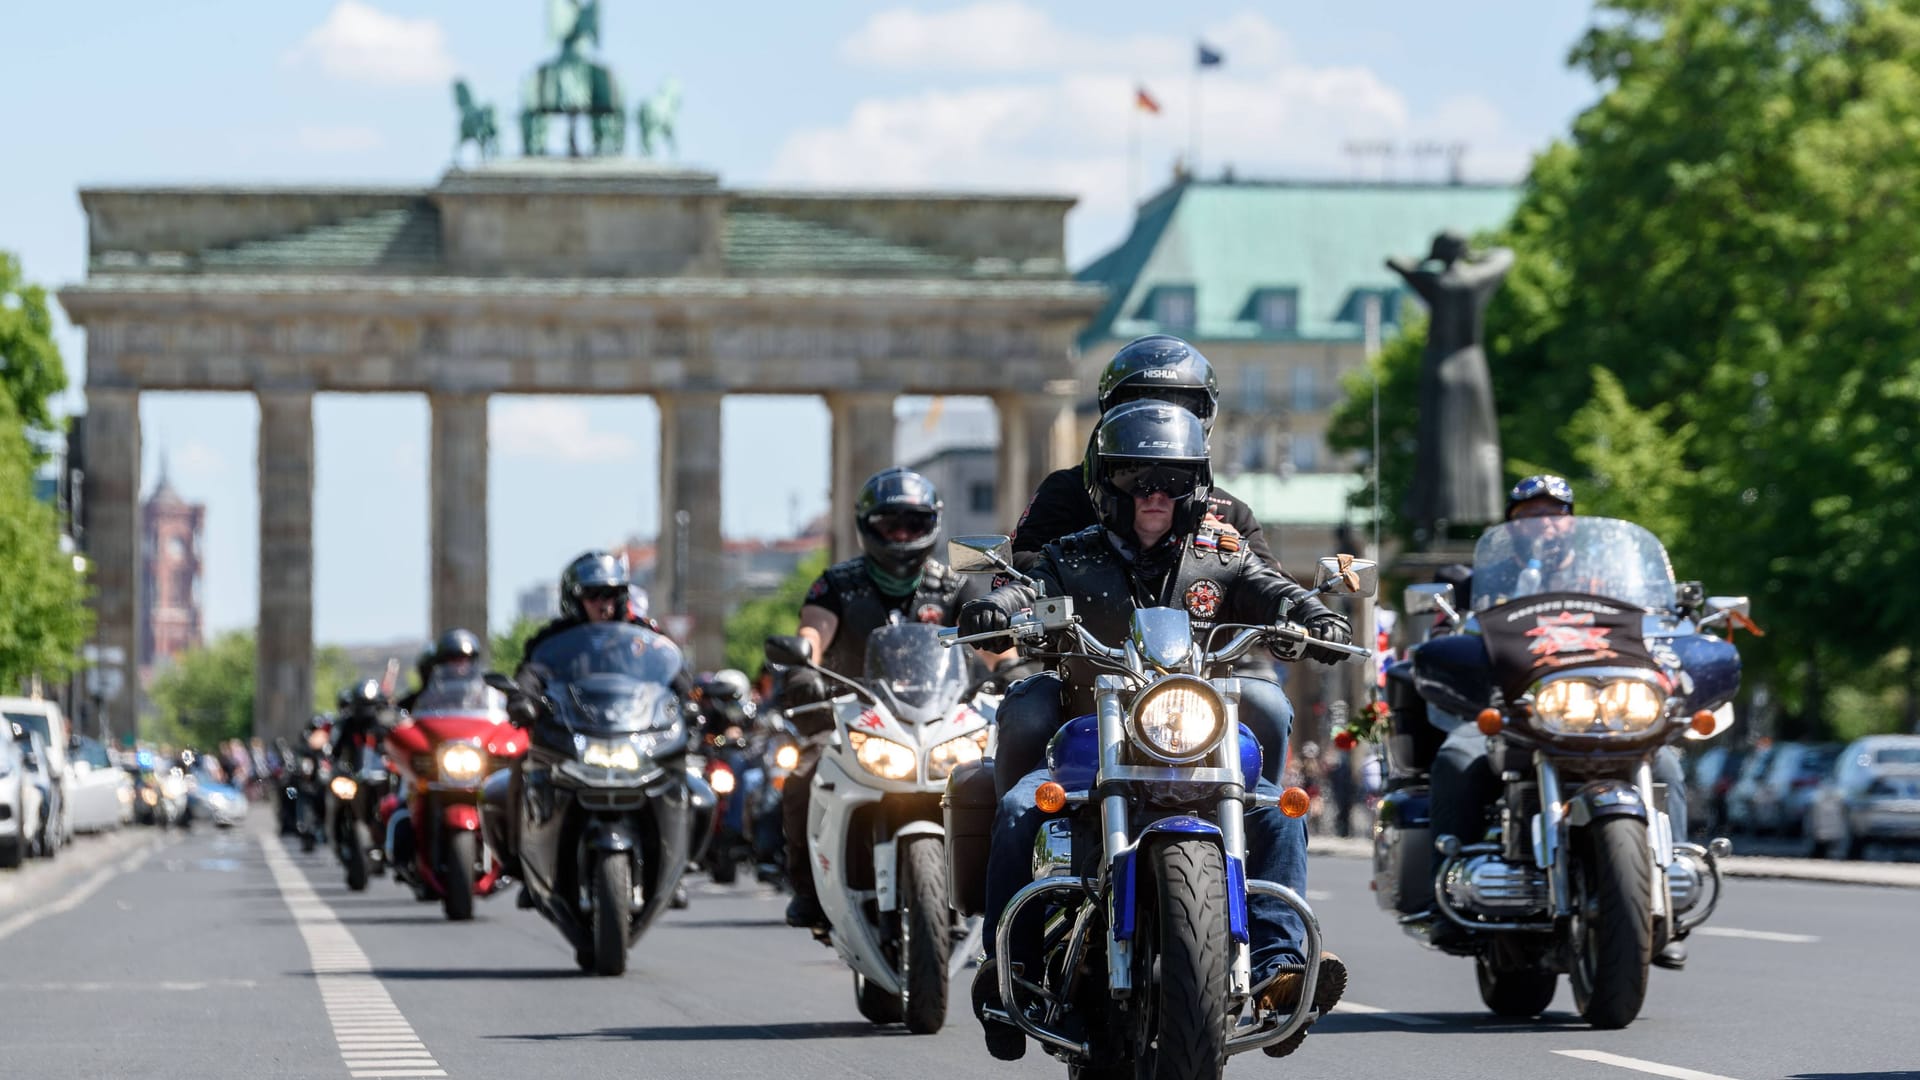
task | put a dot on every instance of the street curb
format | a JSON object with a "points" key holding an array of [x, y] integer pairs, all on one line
{"points": [[1891, 875], [36, 879]]}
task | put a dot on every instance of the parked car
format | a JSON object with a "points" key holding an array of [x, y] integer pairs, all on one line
{"points": [[49, 836], [211, 798], [99, 795], [1873, 793], [1740, 795], [1708, 782], [44, 718], [1780, 800], [20, 811]]}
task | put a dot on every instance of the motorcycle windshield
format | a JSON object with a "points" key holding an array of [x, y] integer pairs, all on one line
{"points": [[610, 677], [916, 677], [458, 692], [1593, 555]]}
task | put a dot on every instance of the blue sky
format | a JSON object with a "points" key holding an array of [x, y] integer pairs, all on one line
{"points": [[1028, 95]]}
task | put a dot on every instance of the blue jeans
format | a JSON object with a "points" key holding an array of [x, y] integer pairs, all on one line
{"points": [[1276, 851]]}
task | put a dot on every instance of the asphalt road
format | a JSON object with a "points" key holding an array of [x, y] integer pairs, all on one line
{"points": [[198, 959]]}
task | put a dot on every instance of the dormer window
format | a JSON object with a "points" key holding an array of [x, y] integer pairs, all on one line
{"points": [[1173, 306], [1278, 311]]}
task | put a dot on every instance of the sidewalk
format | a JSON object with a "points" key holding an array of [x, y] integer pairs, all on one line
{"points": [[37, 880]]}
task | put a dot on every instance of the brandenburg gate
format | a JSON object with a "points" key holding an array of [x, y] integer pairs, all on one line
{"points": [[598, 276]]}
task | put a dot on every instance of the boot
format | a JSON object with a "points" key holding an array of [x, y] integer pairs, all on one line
{"points": [[1005, 1043], [804, 911], [1673, 957], [1283, 995]]}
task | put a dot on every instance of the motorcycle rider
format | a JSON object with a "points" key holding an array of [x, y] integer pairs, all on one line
{"points": [[1157, 367], [363, 711], [1464, 786], [897, 520], [458, 648], [1148, 476]]}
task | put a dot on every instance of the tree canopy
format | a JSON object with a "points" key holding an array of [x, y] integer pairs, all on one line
{"points": [[30, 369], [755, 620], [205, 696], [1709, 327], [44, 618]]}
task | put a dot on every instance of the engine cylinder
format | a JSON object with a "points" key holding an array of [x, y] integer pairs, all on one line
{"points": [[1490, 886]]}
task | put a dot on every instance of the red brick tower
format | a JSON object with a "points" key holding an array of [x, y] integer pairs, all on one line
{"points": [[169, 574]]}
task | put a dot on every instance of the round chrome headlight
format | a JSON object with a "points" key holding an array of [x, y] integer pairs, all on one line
{"points": [[787, 757], [1178, 719], [1576, 706]]}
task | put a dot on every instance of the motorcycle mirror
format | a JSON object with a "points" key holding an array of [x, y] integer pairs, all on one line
{"points": [[501, 683], [1432, 596], [1739, 605], [790, 649], [1348, 575], [979, 554]]}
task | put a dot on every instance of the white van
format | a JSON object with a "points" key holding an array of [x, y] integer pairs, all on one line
{"points": [[45, 717]]}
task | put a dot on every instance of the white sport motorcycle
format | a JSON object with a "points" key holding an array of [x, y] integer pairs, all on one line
{"points": [[875, 835]]}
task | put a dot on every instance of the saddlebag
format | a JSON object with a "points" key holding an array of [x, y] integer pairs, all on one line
{"points": [[1412, 740], [968, 807]]}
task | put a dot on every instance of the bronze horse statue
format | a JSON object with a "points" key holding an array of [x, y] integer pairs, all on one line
{"points": [[476, 124]]}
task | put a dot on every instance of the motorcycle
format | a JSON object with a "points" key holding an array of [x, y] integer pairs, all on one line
{"points": [[779, 757], [1145, 968], [360, 780], [433, 839], [735, 774], [875, 837], [597, 815], [1582, 658]]}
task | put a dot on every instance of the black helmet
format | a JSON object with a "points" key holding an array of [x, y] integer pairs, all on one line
{"points": [[455, 645], [1161, 367], [1538, 485], [316, 722], [898, 518], [363, 696], [1146, 446], [591, 572]]}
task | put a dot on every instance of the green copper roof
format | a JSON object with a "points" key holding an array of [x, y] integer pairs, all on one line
{"points": [[1300, 499], [406, 239], [762, 242], [1230, 241]]}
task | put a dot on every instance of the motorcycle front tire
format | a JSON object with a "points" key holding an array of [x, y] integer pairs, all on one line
{"points": [[354, 856], [456, 876], [926, 927], [1615, 947], [1189, 934], [612, 897]]}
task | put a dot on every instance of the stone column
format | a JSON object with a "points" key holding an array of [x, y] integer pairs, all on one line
{"points": [[283, 676], [689, 573], [862, 446], [457, 531], [111, 509], [1036, 437]]}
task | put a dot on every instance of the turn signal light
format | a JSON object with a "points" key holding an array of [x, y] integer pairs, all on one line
{"points": [[1489, 722], [1703, 722], [1294, 802], [1051, 798]]}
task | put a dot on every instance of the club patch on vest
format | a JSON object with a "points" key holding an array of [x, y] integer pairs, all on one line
{"points": [[930, 613], [1203, 599], [819, 589]]}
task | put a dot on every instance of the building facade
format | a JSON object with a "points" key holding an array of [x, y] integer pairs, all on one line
{"points": [[170, 566]]}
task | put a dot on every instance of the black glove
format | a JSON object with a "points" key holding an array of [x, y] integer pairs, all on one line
{"points": [[1328, 626], [805, 686], [983, 616]]}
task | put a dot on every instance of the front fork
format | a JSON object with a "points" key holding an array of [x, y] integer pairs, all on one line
{"points": [[1550, 838]]}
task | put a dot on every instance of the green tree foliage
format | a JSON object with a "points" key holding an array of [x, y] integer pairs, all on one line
{"points": [[1709, 326], [44, 617], [507, 649], [755, 620], [206, 694], [30, 369]]}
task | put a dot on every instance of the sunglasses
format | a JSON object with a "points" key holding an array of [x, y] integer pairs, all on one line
{"points": [[1174, 481]]}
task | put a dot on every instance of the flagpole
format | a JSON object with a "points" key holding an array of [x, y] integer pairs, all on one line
{"points": [[1193, 126]]}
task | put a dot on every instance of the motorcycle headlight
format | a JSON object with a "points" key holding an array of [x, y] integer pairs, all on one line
{"points": [[461, 762], [609, 753], [1179, 719], [173, 786], [722, 781], [884, 758], [344, 787], [1594, 707], [950, 755], [787, 757]]}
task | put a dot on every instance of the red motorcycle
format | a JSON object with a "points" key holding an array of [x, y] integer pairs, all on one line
{"points": [[458, 734]]}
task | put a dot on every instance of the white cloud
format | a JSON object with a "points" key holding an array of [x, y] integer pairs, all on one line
{"points": [[343, 139], [360, 43], [555, 431], [1053, 109]]}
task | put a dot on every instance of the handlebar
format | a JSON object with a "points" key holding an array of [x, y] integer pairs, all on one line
{"points": [[1026, 628]]}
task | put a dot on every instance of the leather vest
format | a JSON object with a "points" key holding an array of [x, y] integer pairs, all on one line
{"points": [[1105, 595], [864, 609]]}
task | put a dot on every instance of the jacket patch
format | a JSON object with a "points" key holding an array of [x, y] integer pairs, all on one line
{"points": [[930, 613], [1203, 599], [819, 589]]}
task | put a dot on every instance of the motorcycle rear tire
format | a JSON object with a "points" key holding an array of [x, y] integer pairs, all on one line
{"points": [[354, 857], [612, 899], [878, 1006], [1610, 965], [1515, 993], [1189, 933], [456, 876], [926, 927], [724, 869]]}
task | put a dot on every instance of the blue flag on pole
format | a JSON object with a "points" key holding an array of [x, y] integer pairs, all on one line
{"points": [[1209, 56]]}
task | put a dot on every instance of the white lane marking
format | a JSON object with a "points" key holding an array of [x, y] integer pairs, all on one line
{"points": [[1758, 935], [1409, 1019], [79, 895], [375, 1040], [1601, 1057]]}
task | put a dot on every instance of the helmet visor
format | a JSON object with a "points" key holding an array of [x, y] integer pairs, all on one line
{"points": [[902, 526], [1139, 481], [1196, 401]]}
